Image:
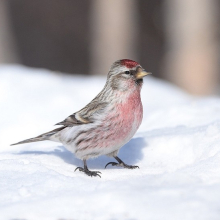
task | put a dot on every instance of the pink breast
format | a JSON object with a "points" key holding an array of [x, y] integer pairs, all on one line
{"points": [[127, 121]]}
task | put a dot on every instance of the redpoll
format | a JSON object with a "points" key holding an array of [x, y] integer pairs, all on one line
{"points": [[108, 122]]}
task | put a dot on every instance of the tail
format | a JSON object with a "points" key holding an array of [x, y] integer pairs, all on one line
{"points": [[42, 137]]}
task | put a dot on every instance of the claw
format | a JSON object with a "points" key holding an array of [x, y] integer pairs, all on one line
{"points": [[78, 168], [122, 165], [97, 175], [112, 163], [131, 167], [88, 172]]}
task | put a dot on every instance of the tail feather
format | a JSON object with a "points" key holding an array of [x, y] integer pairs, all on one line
{"points": [[42, 137], [29, 141]]}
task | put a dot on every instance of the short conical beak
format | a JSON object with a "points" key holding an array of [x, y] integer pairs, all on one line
{"points": [[140, 75]]}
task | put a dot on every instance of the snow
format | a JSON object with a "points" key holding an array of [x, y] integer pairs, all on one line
{"points": [[177, 149]]}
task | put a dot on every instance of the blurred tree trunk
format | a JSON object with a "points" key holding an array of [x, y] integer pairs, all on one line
{"points": [[7, 52], [52, 34], [114, 30], [192, 47]]}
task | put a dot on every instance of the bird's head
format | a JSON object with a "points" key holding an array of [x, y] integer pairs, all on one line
{"points": [[125, 74]]}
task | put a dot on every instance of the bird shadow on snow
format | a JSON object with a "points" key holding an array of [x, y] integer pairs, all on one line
{"points": [[130, 153]]}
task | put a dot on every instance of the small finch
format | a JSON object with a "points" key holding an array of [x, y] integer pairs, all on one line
{"points": [[108, 122]]}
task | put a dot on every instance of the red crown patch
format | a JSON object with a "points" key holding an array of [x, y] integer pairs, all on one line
{"points": [[129, 63]]}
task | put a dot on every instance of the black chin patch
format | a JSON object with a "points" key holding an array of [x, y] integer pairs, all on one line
{"points": [[139, 81]]}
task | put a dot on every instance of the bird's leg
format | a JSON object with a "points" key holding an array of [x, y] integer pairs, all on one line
{"points": [[121, 164], [87, 171]]}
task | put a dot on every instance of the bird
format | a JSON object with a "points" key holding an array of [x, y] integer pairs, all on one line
{"points": [[108, 122]]}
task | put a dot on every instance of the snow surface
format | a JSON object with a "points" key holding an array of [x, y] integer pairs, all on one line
{"points": [[177, 148]]}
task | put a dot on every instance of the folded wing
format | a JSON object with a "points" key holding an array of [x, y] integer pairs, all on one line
{"points": [[85, 115]]}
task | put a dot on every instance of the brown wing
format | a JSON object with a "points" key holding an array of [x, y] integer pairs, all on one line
{"points": [[85, 115], [71, 121]]}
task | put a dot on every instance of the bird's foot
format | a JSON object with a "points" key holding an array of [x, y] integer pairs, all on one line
{"points": [[124, 165], [88, 172]]}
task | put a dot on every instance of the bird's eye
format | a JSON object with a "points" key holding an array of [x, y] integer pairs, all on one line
{"points": [[127, 72]]}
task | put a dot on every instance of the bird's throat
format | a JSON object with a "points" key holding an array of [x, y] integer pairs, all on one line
{"points": [[139, 81]]}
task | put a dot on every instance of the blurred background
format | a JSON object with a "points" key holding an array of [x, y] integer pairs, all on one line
{"points": [[176, 40]]}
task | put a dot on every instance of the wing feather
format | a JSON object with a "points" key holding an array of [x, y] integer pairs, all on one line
{"points": [[85, 115]]}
